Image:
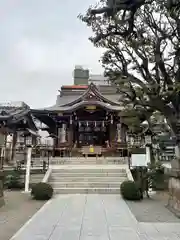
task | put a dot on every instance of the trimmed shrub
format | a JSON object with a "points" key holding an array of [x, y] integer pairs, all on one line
{"points": [[157, 176], [42, 191], [13, 180], [130, 191]]}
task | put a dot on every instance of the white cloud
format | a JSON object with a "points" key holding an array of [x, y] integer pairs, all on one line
{"points": [[31, 55], [40, 45]]}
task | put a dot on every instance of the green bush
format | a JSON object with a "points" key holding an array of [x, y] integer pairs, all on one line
{"points": [[13, 180], [157, 177], [130, 190], [42, 191]]}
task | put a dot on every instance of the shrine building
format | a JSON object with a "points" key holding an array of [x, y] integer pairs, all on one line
{"points": [[85, 115]]}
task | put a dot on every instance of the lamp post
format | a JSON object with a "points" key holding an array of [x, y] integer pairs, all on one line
{"points": [[148, 139], [148, 136], [128, 140], [148, 143], [1, 170]]}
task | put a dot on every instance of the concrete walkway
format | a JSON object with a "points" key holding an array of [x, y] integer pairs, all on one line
{"points": [[92, 217]]}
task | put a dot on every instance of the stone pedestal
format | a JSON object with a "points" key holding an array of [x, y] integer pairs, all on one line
{"points": [[1, 189], [174, 184], [174, 195]]}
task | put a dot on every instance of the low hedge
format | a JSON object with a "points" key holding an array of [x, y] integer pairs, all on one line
{"points": [[13, 180], [130, 191], [42, 191]]}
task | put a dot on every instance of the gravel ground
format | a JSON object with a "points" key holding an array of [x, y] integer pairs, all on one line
{"points": [[19, 208], [153, 209]]}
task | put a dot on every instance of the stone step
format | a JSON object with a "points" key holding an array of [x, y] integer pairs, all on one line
{"points": [[85, 185], [88, 175], [88, 161], [91, 163], [88, 170], [85, 178], [87, 190]]}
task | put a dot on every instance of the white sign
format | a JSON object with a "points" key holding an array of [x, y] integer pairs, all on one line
{"points": [[139, 160]]}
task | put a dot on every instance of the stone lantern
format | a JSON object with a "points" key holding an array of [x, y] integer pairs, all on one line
{"points": [[148, 137], [148, 143]]}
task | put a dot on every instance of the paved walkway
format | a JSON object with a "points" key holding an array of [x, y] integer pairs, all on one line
{"points": [[92, 217]]}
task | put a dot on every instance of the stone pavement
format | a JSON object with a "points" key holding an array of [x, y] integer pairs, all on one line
{"points": [[18, 209], [153, 209], [92, 217]]}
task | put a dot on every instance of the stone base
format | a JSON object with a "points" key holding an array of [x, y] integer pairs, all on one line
{"points": [[174, 196]]}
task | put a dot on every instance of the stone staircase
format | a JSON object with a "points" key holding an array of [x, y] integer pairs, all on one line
{"points": [[78, 177], [89, 160]]}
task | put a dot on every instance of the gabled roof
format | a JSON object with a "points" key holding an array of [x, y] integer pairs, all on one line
{"points": [[77, 105], [92, 93], [69, 100], [74, 87], [14, 114]]}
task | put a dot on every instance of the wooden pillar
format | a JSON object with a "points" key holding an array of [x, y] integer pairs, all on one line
{"points": [[71, 131], [118, 132], [111, 131], [55, 142], [13, 147]]}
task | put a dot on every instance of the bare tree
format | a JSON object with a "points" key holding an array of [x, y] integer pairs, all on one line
{"points": [[147, 60]]}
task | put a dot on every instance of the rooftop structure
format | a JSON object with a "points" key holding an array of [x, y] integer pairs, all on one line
{"points": [[83, 77]]}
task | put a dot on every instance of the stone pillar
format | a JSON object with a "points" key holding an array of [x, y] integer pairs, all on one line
{"points": [[174, 182], [175, 163], [148, 154], [28, 168]]}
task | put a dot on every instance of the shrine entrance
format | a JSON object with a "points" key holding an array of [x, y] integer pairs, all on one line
{"points": [[92, 127]]}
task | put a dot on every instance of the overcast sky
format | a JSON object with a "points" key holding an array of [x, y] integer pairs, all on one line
{"points": [[40, 43]]}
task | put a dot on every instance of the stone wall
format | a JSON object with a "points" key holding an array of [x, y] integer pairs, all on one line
{"points": [[174, 195]]}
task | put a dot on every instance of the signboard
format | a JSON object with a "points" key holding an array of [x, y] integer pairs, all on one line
{"points": [[139, 160]]}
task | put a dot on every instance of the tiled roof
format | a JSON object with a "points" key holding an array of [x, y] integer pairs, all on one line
{"points": [[70, 108], [67, 97], [75, 87], [13, 113]]}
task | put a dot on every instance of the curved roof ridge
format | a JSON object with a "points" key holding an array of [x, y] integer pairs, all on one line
{"points": [[92, 87]]}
